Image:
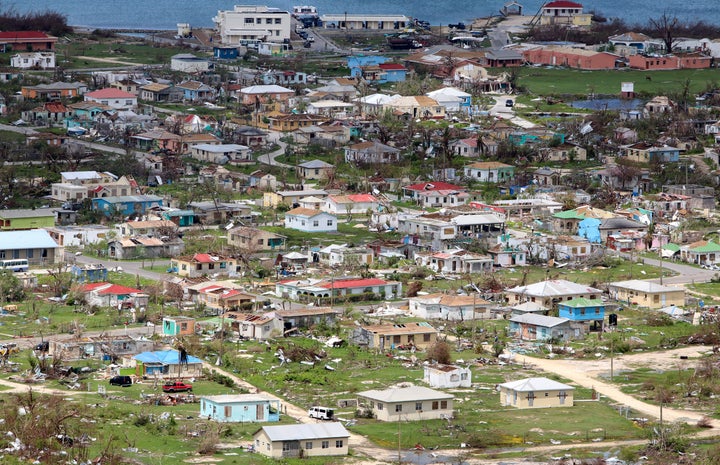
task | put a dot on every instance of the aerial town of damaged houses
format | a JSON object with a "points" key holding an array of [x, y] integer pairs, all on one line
{"points": [[440, 220]]}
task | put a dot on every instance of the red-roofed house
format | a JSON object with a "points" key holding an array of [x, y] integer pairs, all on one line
{"points": [[411, 192], [114, 295], [202, 264], [342, 288], [113, 97], [48, 112], [385, 72], [564, 12], [26, 41], [350, 204]]}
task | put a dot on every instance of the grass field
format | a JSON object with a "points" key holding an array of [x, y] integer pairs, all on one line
{"points": [[557, 81]]}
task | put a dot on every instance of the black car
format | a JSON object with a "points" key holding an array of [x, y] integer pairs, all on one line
{"points": [[121, 380], [43, 346]]}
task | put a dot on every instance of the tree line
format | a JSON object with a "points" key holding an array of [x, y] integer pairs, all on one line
{"points": [[52, 22]]}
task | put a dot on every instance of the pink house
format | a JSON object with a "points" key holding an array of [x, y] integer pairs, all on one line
{"points": [[571, 57], [113, 97]]}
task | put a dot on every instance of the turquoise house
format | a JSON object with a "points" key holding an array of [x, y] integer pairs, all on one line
{"points": [[582, 310], [240, 408], [180, 217], [126, 204]]}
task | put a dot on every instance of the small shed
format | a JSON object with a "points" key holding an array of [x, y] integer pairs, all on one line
{"points": [[178, 326], [235, 408], [447, 376], [536, 393]]}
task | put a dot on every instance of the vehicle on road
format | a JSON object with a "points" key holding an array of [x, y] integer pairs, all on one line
{"points": [[177, 386], [509, 103], [321, 413]]}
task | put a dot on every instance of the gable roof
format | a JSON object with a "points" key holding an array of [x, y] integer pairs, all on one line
{"points": [[32, 239], [538, 320], [434, 186], [582, 302], [306, 212], [536, 384], [308, 431], [110, 92], [554, 287], [405, 394]]}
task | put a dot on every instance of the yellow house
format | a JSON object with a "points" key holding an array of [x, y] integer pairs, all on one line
{"points": [[294, 441], [385, 337], [536, 393], [647, 294]]}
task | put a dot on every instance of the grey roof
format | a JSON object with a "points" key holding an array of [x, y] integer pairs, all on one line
{"points": [[32, 239], [503, 54], [529, 307], [644, 286], [315, 164], [405, 394], [308, 431], [538, 320], [536, 384], [554, 287], [80, 175], [27, 213], [621, 223], [302, 193], [238, 398]]}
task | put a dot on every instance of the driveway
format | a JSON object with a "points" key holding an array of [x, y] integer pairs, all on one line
{"points": [[269, 158]]}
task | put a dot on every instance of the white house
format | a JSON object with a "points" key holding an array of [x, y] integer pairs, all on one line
{"points": [[308, 220], [310, 440], [36, 60], [447, 376], [451, 98], [408, 403], [354, 204], [252, 23], [221, 153], [449, 307], [113, 97]]}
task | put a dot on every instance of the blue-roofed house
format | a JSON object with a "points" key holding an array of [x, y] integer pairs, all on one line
{"points": [[583, 310], [357, 62], [167, 364], [532, 327], [237, 408], [36, 246], [126, 204], [315, 439]]}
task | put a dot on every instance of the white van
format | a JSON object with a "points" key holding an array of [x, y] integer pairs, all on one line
{"points": [[321, 413]]}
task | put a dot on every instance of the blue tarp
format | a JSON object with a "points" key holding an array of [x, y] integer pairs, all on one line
{"points": [[589, 228], [166, 357]]}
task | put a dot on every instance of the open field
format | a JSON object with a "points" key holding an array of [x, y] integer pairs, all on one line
{"points": [[563, 81]]}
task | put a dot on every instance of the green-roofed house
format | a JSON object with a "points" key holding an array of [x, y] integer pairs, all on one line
{"points": [[670, 250], [701, 253], [568, 221], [583, 310]]}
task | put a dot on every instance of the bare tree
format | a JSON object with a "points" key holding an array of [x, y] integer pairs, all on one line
{"points": [[665, 27]]}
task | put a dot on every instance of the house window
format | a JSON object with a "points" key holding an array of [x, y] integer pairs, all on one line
{"points": [[379, 406], [211, 266], [268, 20], [443, 404], [128, 102], [330, 222], [249, 20], [435, 405], [463, 376], [426, 337], [29, 253], [278, 20], [325, 444], [656, 298], [418, 406], [228, 411], [398, 408], [316, 223], [286, 445], [338, 443], [308, 445], [2, 254]]}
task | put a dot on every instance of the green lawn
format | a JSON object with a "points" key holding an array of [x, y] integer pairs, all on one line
{"points": [[542, 81]]}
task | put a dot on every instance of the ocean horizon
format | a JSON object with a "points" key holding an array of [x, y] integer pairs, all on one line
{"points": [[165, 14]]}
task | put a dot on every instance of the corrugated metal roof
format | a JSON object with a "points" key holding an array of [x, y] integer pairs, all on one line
{"points": [[405, 394], [309, 431], [32, 239], [168, 357], [536, 384]]}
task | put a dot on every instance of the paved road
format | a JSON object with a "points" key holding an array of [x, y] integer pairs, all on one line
{"points": [[129, 267], [685, 274], [269, 158]]}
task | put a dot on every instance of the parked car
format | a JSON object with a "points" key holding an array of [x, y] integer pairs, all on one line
{"points": [[43, 346], [121, 380], [321, 413], [509, 103], [177, 386]]}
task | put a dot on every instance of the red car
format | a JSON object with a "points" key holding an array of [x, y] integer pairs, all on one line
{"points": [[177, 386]]}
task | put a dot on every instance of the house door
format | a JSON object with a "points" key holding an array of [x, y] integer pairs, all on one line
{"points": [[562, 395], [259, 412], [531, 399], [514, 398]]}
